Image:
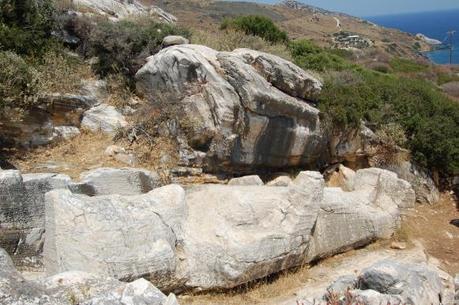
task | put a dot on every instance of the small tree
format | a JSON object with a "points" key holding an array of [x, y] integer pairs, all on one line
{"points": [[26, 25], [258, 26]]}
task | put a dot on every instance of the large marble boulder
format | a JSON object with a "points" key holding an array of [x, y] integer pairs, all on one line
{"points": [[243, 108], [235, 234], [126, 237], [22, 213]]}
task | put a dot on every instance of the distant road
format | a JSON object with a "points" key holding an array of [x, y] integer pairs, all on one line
{"points": [[338, 23]]}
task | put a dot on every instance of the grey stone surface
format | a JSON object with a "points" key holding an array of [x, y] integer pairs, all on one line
{"points": [[280, 181], [246, 180], [423, 185], [103, 118], [173, 40], [415, 284], [250, 109], [66, 132], [390, 189], [14, 290], [123, 237], [22, 213], [121, 181], [75, 287], [235, 234], [119, 9], [343, 284]]}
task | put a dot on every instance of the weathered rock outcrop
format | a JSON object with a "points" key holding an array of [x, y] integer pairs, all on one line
{"points": [[45, 122], [104, 118], [22, 203], [391, 282], [75, 287], [243, 108], [425, 188], [124, 237], [22, 212], [219, 236], [124, 8], [238, 233]]}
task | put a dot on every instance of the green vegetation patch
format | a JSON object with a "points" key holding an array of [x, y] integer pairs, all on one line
{"points": [[26, 25], [256, 25], [309, 56], [429, 119], [402, 65], [121, 47], [18, 81]]}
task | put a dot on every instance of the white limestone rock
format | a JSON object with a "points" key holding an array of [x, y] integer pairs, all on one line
{"points": [[122, 181], [245, 108], [246, 180], [235, 234], [174, 40], [123, 237], [104, 118], [280, 181]]}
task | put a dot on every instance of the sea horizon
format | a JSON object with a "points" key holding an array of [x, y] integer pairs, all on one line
{"points": [[433, 24]]}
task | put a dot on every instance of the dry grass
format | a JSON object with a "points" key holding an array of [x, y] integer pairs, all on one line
{"points": [[432, 226], [120, 95], [230, 40], [80, 154], [62, 73], [262, 292]]}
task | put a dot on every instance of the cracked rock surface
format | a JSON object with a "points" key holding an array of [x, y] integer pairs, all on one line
{"points": [[219, 236]]}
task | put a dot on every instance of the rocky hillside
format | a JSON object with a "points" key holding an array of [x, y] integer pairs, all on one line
{"points": [[302, 21], [143, 151]]}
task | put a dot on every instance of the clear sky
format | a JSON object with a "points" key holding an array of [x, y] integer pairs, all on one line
{"points": [[379, 7]]}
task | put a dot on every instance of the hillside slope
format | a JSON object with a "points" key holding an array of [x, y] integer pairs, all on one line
{"points": [[300, 21]]}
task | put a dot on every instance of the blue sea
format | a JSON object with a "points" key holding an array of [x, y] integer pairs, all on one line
{"points": [[432, 24]]}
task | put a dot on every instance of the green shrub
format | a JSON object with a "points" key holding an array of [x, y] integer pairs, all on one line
{"points": [[256, 25], [26, 25], [18, 81], [429, 119], [122, 47], [443, 78], [309, 56], [403, 65]]}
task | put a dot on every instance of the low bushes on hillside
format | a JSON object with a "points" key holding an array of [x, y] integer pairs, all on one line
{"points": [[230, 40], [402, 65], [18, 81], [256, 25], [121, 47], [26, 25], [310, 56], [430, 120]]}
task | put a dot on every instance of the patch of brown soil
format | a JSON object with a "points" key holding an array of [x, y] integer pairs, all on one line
{"points": [[73, 157], [433, 227]]}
